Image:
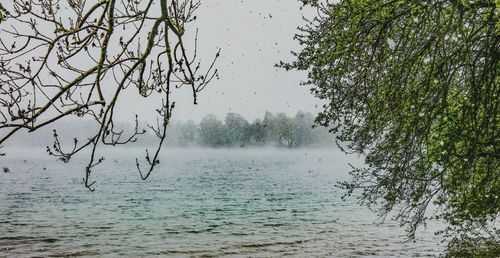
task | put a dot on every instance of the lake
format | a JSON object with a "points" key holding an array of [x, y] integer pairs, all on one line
{"points": [[197, 203]]}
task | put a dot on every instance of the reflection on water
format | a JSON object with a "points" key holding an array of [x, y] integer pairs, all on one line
{"points": [[254, 202]]}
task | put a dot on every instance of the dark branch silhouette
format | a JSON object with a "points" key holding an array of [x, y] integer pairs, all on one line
{"points": [[77, 57]]}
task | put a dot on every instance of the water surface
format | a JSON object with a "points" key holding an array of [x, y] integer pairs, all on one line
{"points": [[235, 203]]}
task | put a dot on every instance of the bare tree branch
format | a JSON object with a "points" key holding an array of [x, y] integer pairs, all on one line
{"points": [[76, 58]]}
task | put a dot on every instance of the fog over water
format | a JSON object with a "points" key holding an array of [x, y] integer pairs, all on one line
{"points": [[199, 203]]}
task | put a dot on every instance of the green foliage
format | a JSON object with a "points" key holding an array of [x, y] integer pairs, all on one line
{"points": [[284, 130], [413, 86], [237, 130], [303, 134], [274, 130], [212, 132], [2, 13], [467, 246]]}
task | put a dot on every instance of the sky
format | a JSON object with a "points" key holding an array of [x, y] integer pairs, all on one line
{"points": [[253, 36]]}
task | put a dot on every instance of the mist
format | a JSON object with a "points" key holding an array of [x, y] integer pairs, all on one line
{"points": [[253, 37]]}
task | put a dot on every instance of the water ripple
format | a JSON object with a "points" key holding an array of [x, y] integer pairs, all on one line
{"points": [[200, 203]]}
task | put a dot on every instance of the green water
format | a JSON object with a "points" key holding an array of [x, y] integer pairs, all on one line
{"points": [[199, 203]]}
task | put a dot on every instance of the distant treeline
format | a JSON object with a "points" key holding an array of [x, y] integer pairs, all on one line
{"points": [[277, 130]]}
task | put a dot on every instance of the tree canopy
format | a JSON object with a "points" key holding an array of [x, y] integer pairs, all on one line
{"points": [[77, 58], [413, 86], [277, 130]]}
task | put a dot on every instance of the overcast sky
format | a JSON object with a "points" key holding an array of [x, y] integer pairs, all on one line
{"points": [[254, 35]]}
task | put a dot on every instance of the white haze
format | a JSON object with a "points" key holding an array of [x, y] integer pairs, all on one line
{"points": [[254, 36]]}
